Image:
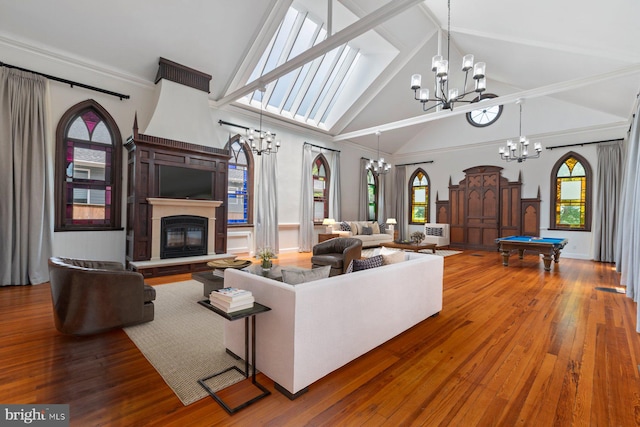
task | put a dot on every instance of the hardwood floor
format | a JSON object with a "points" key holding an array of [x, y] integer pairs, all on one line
{"points": [[512, 345]]}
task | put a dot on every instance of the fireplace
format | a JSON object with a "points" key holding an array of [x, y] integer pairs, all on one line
{"points": [[183, 235]]}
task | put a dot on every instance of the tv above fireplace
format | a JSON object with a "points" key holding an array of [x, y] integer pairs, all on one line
{"points": [[177, 182]]}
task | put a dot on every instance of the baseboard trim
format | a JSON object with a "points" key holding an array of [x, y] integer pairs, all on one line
{"points": [[288, 394]]}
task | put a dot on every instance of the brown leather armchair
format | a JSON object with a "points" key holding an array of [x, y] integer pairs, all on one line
{"points": [[337, 252], [94, 296]]}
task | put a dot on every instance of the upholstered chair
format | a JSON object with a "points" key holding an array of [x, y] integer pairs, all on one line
{"points": [[437, 233], [337, 252], [94, 296]]}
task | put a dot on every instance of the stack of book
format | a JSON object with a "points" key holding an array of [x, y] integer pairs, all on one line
{"points": [[230, 300]]}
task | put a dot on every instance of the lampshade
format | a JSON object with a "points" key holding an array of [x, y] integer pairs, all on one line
{"points": [[328, 221], [391, 221]]}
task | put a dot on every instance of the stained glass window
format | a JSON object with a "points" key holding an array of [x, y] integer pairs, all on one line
{"points": [[419, 197], [372, 196], [571, 193], [320, 174], [239, 194], [88, 189]]}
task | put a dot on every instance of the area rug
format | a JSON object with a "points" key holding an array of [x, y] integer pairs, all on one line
{"points": [[367, 253], [184, 342]]}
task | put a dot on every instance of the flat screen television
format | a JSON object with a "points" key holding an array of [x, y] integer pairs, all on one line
{"points": [[176, 182]]}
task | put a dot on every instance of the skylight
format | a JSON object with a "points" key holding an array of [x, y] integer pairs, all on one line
{"points": [[309, 93]]}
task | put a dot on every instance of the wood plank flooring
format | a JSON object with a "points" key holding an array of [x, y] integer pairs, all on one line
{"points": [[512, 346]]}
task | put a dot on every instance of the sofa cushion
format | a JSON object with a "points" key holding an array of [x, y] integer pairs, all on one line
{"points": [[354, 228], [367, 231], [393, 257], [344, 226], [433, 231], [295, 277], [375, 227], [149, 293], [382, 227]]}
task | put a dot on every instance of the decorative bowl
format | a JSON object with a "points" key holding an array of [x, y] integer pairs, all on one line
{"points": [[221, 264]]}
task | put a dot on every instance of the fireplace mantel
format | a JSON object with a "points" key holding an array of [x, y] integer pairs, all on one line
{"points": [[163, 207]]}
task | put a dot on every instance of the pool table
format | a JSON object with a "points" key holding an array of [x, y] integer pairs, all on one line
{"points": [[549, 247]]}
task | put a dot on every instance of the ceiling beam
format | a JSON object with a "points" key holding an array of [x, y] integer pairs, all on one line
{"points": [[501, 100], [354, 30]]}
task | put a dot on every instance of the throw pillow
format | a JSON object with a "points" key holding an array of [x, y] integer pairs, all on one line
{"points": [[295, 277], [383, 227], [433, 231], [354, 228], [393, 258], [375, 227], [365, 264], [367, 231], [344, 226]]}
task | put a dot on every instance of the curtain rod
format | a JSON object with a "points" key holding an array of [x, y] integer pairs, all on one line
{"points": [[584, 143], [321, 147], [69, 82], [416, 163], [222, 122]]}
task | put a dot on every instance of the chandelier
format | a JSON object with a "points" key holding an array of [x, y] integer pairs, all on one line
{"points": [[519, 150], [264, 141], [378, 167], [443, 96]]}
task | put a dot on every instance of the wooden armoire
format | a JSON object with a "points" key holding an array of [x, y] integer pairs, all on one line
{"points": [[485, 206]]}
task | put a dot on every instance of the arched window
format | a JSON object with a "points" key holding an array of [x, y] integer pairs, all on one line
{"points": [[419, 197], [240, 186], [372, 196], [321, 178], [88, 169], [571, 194]]}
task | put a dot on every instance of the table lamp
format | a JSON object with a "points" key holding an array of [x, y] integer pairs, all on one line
{"points": [[391, 222], [329, 223]]}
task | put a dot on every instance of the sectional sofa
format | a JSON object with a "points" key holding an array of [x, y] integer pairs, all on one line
{"points": [[316, 327]]}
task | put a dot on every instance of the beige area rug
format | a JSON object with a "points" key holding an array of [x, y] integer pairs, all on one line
{"points": [[367, 253], [184, 342]]}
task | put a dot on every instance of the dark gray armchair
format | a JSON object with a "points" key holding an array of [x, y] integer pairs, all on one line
{"points": [[94, 296], [337, 252]]}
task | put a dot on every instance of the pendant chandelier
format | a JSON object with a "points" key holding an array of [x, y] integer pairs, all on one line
{"points": [[378, 167], [262, 141], [519, 150], [443, 96]]}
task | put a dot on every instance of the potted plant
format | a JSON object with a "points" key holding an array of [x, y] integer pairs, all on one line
{"points": [[417, 237], [266, 254]]}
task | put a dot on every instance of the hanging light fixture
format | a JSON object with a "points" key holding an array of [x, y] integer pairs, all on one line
{"points": [[378, 167], [519, 150], [443, 96], [264, 141]]}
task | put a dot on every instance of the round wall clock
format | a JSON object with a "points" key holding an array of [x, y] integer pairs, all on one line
{"points": [[484, 116]]}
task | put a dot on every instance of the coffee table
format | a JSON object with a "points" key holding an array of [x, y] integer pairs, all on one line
{"points": [[408, 246], [212, 282]]}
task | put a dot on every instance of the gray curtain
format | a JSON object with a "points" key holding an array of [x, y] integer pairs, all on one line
{"points": [[609, 175], [305, 238], [267, 207], [382, 193], [26, 205], [335, 195], [401, 204], [363, 201], [628, 231]]}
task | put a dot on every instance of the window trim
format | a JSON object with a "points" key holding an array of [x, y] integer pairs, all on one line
{"points": [[250, 171], [553, 190], [428, 204], [320, 157], [60, 169]]}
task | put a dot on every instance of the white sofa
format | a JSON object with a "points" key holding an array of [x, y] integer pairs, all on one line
{"points": [[368, 241], [437, 233], [316, 327]]}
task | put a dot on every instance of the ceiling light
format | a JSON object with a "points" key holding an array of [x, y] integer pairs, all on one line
{"points": [[519, 149], [443, 96], [264, 143], [378, 167]]}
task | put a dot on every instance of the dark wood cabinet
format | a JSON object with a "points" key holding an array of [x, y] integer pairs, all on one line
{"points": [[146, 154]]}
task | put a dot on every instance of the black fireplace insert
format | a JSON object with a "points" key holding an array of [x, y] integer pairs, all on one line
{"points": [[183, 236]]}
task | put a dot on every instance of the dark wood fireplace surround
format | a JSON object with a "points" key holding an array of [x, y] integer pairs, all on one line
{"points": [[146, 154]]}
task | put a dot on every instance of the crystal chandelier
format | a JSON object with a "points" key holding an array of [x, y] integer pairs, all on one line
{"points": [[519, 150], [264, 142], [443, 96], [378, 167]]}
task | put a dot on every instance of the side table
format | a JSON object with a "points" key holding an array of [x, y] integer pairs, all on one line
{"points": [[326, 236], [241, 314]]}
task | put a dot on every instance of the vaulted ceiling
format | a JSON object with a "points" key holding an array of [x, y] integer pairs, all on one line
{"points": [[572, 54]]}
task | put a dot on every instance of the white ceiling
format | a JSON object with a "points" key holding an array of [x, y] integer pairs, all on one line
{"points": [[580, 53]]}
